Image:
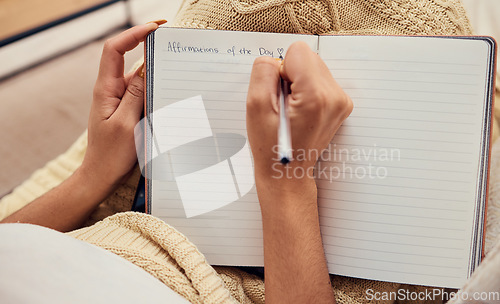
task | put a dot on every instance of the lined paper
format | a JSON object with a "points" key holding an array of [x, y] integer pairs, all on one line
{"points": [[417, 122], [417, 125], [231, 234]]}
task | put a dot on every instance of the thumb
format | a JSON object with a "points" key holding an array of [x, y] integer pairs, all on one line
{"points": [[132, 103], [299, 63]]}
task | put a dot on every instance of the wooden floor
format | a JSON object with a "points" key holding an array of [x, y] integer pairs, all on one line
{"points": [[18, 16]]}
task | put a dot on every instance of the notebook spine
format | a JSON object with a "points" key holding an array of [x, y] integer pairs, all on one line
{"points": [[149, 86]]}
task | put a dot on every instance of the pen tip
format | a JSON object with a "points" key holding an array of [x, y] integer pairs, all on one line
{"points": [[285, 160]]}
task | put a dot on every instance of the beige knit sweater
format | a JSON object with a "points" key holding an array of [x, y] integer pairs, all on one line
{"points": [[387, 17], [163, 251]]}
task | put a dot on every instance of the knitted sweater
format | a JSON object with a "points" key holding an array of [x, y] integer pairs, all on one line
{"points": [[361, 17]]}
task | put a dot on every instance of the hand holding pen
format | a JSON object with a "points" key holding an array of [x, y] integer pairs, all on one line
{"points": [[284, 131], [316, 107]]}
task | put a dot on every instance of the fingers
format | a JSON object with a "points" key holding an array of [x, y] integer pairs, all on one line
{"points": [[304, 68], [129, 75], [263, 87], [309, 81], [111, 84], [313, 86], [262, 107], [299, 62], [132, 103], [112, 61]]}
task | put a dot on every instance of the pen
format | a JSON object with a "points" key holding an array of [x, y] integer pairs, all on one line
{"points": [[284, 132]]}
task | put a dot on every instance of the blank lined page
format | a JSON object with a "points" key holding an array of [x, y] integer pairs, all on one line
{"points": [[398, 185], [203, 182]]}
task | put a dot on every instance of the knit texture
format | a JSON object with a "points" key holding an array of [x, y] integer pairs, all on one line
{"points": [[384, 17], [169, 256], [160, 250]]}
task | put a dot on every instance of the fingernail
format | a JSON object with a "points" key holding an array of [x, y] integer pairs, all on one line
{"points": [[141, 73], [159, 22]]}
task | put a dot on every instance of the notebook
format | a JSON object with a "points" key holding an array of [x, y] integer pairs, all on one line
{"points": [[402, 186]]}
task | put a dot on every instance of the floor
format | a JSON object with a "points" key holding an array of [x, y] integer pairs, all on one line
{"points": [[43, 110], [19, 16]]}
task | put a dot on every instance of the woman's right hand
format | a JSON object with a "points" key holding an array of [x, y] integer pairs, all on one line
{"points": [[317, 106]]}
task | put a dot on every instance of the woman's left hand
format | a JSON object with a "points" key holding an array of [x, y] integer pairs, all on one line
{"points": [[116, 108]]}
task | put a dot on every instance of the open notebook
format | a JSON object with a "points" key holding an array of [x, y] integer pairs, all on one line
{"points": [[402, 187]]}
